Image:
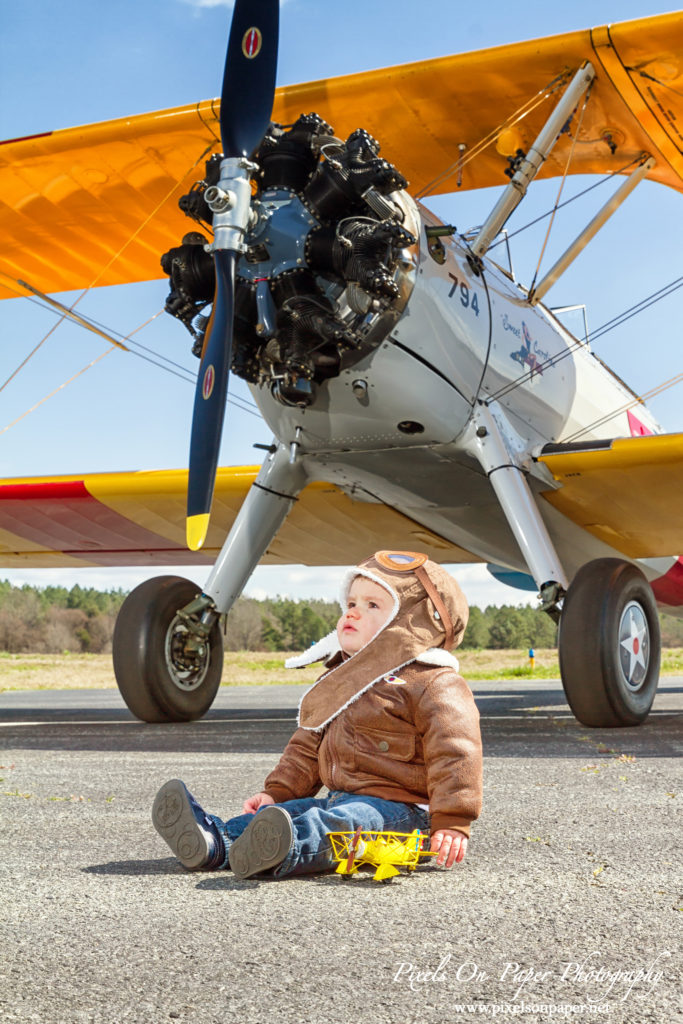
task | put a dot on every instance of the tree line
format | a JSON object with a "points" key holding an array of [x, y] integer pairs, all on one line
{"points": [[53, 619], [81, 619]]}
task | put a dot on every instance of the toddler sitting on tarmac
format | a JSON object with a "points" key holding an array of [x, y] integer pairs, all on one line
{"points": [[390, 728]]}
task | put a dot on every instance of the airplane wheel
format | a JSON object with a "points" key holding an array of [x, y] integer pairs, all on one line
{"points": [[610, 644], [157, 680]]}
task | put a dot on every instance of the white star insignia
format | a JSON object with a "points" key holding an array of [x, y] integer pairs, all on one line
{"points": [[633, 644]]}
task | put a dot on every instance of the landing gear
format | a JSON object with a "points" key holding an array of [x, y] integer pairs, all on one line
{"points": [[610, 644], [166, 672]]}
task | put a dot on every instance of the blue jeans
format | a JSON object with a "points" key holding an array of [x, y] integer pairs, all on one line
{"points": [[314, 817]]}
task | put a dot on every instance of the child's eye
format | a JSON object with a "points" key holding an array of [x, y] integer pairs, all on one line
{"points": [[373, 604]]}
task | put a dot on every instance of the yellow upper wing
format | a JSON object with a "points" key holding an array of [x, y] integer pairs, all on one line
{"points": [[139, 519], [629, 494], [97, 205]]}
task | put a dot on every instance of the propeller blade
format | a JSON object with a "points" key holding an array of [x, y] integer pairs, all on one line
{"points": [[246, 106], [249, 76], [209, 402]]}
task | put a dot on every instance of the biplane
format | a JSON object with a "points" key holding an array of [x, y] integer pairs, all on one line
{"points": [[385, 851], [419, 396]]}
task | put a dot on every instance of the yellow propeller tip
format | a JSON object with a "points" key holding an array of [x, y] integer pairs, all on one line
{"points": [[196, 530]]}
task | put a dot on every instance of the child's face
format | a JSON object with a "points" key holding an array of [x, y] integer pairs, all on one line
{"points": [[369, 607]]}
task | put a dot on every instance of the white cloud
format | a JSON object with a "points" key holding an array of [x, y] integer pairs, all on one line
{"points": [[210, 3], [200, 4]]}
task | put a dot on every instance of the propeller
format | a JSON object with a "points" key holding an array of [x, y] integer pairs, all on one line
{"points": [[246, 107]]}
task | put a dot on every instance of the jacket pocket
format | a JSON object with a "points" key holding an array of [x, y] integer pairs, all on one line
{"points": [[377, 744]]}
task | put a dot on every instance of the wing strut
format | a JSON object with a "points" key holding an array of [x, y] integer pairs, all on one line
{"points": [[530, 166], [582, 240], [71, 314]]}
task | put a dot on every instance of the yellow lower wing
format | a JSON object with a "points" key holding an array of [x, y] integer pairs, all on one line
{"points": [[139, 519], [629, 494]]}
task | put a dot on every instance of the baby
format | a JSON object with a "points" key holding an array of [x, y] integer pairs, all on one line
{"points": [[390, 728]]}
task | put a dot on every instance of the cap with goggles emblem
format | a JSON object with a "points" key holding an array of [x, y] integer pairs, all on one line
{"points": [[400, 561]]}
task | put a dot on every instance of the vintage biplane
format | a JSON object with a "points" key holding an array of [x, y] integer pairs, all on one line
{"points": [[419, 396]]}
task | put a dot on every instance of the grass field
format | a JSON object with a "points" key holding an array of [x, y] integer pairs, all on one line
{"points": [[257, 668]]}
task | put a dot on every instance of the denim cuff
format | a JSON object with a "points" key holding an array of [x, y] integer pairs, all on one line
{"points": [[222, 830]]}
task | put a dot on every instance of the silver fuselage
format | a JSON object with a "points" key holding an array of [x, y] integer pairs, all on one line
{"points": [[460, 337]]}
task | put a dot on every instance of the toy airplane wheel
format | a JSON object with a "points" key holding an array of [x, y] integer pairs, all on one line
{"points": [[609, 644]]}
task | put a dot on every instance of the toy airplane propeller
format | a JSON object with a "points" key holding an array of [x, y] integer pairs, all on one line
{"points": [[387, 851], [419, 396]]}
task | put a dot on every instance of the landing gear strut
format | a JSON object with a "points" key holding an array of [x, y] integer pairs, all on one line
{"points": [[168, 648], [609, 640], [610, 644]]}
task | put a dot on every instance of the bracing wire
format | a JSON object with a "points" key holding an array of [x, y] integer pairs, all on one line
{"points": [[638, 400], [609, 325], [549, 213], [31, 354], [562, 184], [165, 363], [57, 390], [513, 119], [650, 300], [113, 259]]}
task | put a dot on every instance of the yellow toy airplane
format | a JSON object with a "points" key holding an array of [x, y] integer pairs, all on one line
{"points": [[387, 851]]}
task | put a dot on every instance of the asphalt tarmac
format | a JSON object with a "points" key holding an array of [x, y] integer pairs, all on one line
{"points": [[567, 907]]}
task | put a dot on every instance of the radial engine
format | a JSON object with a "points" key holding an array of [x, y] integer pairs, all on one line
{"points": [[328, 264]]}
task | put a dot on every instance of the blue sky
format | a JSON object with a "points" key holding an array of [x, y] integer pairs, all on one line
{"points": [[74, 62]]}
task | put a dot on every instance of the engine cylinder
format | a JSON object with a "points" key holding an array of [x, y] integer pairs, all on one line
{"points": [[326, 258]]}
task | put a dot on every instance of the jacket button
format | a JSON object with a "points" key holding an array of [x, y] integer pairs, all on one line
{"points": [[383, 745]]}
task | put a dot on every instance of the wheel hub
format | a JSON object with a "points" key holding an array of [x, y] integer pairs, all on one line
{"points": [[634, 645], [187, 663]]}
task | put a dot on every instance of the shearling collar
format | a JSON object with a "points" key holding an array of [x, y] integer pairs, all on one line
{"points": [[325, 650]]}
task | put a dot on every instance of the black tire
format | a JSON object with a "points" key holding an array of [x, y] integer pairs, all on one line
{"points": [[609, 684], [155, 683]]}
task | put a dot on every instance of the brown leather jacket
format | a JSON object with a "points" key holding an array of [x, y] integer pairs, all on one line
{"points": [[413, 738]]}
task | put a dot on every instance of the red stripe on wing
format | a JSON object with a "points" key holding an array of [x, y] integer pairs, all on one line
{"points": [[63, 516]]}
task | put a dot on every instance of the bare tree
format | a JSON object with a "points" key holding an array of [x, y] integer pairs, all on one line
{"points": [[61, 630], [21, 622], [243, 631]]}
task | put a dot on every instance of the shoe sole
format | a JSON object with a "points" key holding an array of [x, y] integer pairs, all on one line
{"points": [[264, 844], [174, 820]]}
